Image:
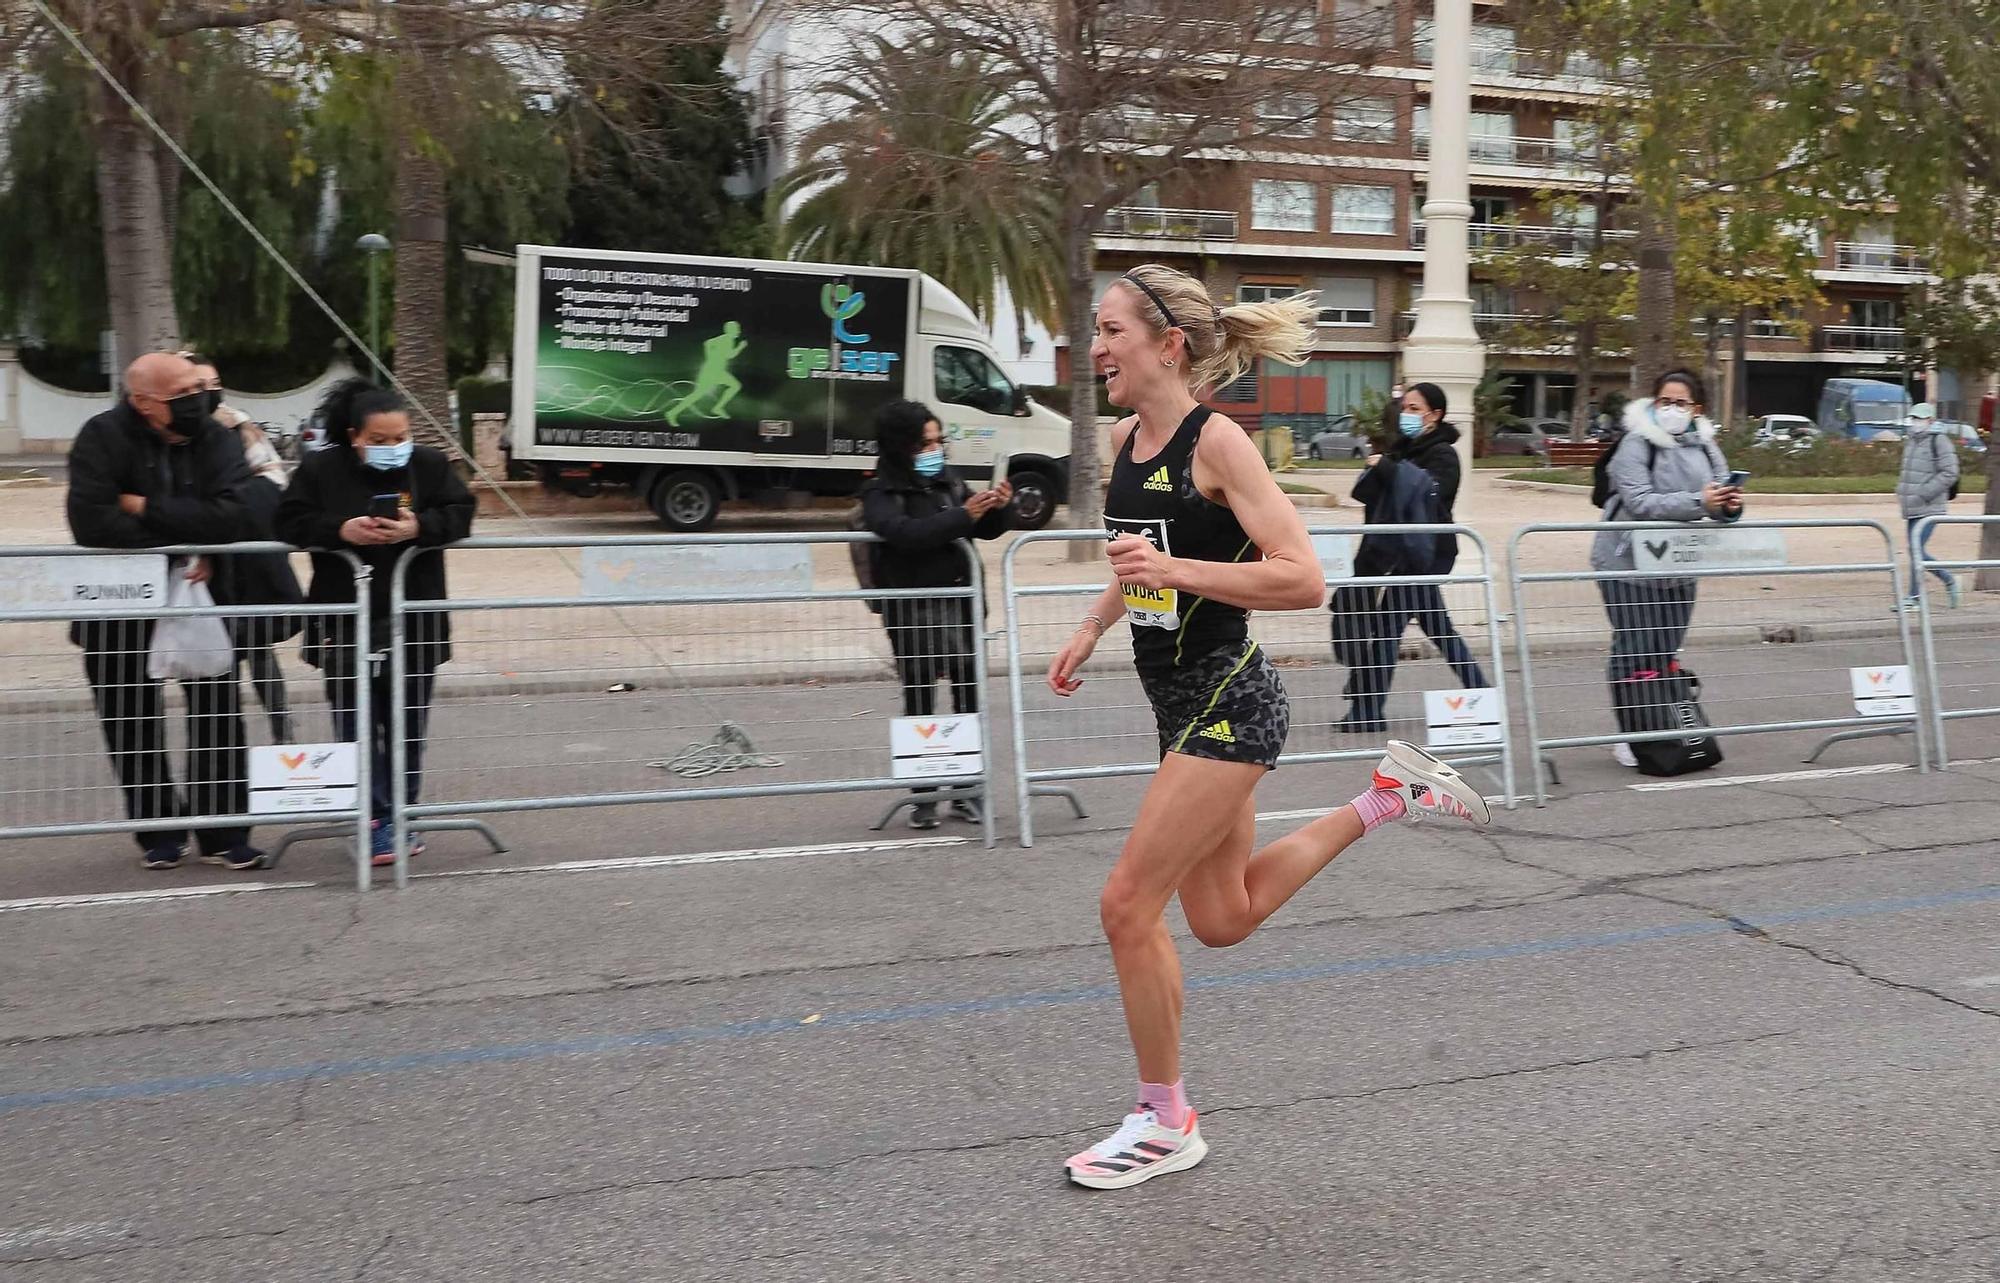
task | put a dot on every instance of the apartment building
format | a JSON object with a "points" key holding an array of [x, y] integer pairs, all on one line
{"points": [[1334, 204]]}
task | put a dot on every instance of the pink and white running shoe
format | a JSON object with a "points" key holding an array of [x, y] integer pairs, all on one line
{"points": [[1138, 1151], [1428, 786]]}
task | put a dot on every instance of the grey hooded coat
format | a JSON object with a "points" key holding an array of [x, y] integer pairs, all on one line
{"points": [[1655, 476], [1930, 465]]}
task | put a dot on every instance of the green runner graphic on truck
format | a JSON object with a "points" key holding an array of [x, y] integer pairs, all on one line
{"points": [[713, 357]]}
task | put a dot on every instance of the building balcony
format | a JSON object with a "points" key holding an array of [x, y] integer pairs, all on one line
{"points": [[1147, 222], [1562, 242], [1491, 326], [1495, 60], [1889, 260], [1878, 339], [1560, 154]]}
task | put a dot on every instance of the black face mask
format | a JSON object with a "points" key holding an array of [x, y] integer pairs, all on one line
{"points": [[211, 401], [190, 415]]}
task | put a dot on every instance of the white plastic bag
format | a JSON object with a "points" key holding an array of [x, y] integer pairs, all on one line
{"points": [[189, 647]]}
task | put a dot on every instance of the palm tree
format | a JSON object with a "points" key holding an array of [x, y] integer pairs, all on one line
{"points": [[913, 167]]}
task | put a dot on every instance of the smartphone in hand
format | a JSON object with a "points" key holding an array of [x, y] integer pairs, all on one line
{"points": [[385, 507], [1736, 479]]}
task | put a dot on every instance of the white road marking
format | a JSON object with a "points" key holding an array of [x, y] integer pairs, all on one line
{"points": [[45, 1236], [699, 857], [1781, 777], [1309, 813], [122, 898], [1981, 982], [114, 898]]}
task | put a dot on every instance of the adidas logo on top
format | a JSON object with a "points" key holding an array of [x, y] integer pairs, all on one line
{"points": [[1219, 732], [1159, 481]]}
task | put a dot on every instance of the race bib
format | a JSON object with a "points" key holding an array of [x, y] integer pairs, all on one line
{"points": [[1148, 607]]}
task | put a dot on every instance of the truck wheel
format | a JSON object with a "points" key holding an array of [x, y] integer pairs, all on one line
{"points": [[1035, 499], [687, 501]]}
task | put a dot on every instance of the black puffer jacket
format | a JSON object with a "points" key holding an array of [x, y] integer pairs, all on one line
{"points": [[1435, 450], [920, 521], [193, 493], [334, 486]]}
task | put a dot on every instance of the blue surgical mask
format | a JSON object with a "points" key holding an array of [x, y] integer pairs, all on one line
{"points": [[929, 463], [1409, 423], [388, 458]]}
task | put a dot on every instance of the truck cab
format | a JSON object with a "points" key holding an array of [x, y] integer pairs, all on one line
{"points": [[985, 415]]}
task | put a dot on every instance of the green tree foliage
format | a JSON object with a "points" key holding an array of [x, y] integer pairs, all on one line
{"points": [[650, 164], [246, 130], [913, 168], [507, 184], [52, 288]]}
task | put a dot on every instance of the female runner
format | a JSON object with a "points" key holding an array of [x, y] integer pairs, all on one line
{"points": [[1201, 536]]}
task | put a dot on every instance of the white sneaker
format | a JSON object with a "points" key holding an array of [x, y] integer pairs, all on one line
{"points": [[1428, 786], [1138, 1151], [1623, 755]]}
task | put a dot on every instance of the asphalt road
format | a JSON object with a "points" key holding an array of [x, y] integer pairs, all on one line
{"points": [[1736, 1032]]}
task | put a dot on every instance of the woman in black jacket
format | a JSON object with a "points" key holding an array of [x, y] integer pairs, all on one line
{"points": [[370, 457], [923, 512], [1426, 440]]}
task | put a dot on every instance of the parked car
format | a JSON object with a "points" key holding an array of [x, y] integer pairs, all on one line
{"points": [[1338, 440], [1963, 435], [1530, 438], [1787, 431]]}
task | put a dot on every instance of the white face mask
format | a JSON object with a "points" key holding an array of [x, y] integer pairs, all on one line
{"points": [[1673, 418]]}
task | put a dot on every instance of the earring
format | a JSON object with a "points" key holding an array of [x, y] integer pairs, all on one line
{"points": [[1169, 363]]}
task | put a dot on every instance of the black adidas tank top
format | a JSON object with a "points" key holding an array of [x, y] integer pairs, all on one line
{"points": [[1157, 498]]}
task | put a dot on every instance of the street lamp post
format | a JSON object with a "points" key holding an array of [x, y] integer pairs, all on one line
{"points": [[374, 244], [1443, 347]]}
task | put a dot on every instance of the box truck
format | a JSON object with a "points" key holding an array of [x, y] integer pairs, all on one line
{"points": [[698, 380]]}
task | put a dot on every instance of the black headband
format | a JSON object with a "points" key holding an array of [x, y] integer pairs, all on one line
{"points": [[1158, 302]]}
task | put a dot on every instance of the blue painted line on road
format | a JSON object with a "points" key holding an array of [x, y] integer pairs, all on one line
{"points": [[614, 1044]]}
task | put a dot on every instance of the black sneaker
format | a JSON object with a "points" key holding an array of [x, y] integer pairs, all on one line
{"points": [[165, 856], [967, 809], [237, 858], [924, 816]]}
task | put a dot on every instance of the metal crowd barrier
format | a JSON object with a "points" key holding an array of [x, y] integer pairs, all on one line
{"points": [[1765, 663], [660, 662], [1961, 660], [1341, 711], [64, 705]]}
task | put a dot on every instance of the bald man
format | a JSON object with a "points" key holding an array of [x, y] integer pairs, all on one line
{"points": [[154, 470]]}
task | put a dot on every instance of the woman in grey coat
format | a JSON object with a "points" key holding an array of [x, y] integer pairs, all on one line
{"points": [[1930, 470], [1666, 467]]}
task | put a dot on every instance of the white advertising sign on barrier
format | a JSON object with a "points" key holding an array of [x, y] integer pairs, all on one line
{"points": [[1336, 555], [927, 748], [96, 582], [302, 779], [1456, 719], [1706, 548], [1883, 690], [696, 570]]}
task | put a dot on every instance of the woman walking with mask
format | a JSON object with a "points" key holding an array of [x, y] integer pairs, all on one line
{"points": [[1202, 536], [1425, 439]]}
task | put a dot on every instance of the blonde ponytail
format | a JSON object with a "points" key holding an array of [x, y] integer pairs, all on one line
{"points": [[1222, 342], [1282, 331]]}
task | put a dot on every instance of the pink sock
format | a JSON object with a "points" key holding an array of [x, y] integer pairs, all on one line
{"points": [[1168, 1101], [1377, 807]]}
